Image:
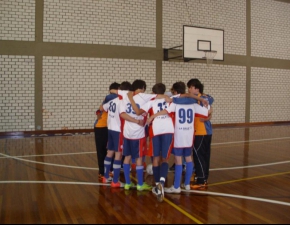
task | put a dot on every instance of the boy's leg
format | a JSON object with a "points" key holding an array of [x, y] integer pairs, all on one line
{"points": [[126, 167], [140, 170], [114, 140], [163, 171], [138, 151], [156, 169], [107, 163], [178, 154], [155, 147], [200, 163], [117, 166], [199, 160], [166, 148], [101, 139], [189, 168], [126, 164], [178, 171], [207, 155]]}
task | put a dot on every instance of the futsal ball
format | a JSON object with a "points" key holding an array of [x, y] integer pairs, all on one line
{"points": [[149, 169]]}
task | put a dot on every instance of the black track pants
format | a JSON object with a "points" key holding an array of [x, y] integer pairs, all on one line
{"points": [[101, 139], [201, 157]]}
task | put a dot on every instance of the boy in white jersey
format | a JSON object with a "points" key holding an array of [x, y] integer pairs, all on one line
{"points": [[183, 139], [134, 135], [161, 133], [115, 139]]}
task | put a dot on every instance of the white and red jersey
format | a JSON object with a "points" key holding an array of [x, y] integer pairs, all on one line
{"points": [[184, 122], [113, 109], [131, 130], [161, 124]]}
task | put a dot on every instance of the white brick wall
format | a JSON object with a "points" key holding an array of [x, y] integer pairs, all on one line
{"points": [[270, 95], [270, 29], [220, 14], [73, 88], [227, 84], [17, 20], [112, 22], [16, 93]]}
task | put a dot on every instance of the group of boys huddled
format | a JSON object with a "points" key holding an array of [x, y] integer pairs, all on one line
{"points": [[177, 124]]}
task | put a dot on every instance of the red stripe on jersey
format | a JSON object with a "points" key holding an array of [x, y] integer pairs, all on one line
{"points": [[201, 116], [122, 124]]}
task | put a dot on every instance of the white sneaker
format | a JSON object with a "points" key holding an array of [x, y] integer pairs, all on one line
{"points": [[186, 187], [155, 191], [160, 196], [107, 181], [172, 190]]}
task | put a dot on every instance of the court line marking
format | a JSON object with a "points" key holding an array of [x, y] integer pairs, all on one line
{"points": [[250, 178], [92, 184], [175, 206], [196, 192], [49, 164], [182, 211], [239, 196], [213, 144], [254, 166], [53, 182], [89, 168]]}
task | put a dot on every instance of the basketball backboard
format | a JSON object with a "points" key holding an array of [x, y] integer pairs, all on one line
{"points": [[198, 40]]}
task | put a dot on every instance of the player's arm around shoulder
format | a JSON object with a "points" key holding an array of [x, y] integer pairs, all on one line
{"points": [[128, 118], [161, 113], [210, 112], [134, 105], [166, 97], [199, 99]]}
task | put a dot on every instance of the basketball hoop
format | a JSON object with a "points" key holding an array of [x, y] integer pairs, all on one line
{"points": [[209, 55]]}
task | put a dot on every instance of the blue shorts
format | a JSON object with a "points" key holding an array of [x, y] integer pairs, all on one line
{"points": [[115, 141], [162, 145], [134, 148], [185, 152]]}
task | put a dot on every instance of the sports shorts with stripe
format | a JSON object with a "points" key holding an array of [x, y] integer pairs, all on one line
{"points": [[115, 141]]}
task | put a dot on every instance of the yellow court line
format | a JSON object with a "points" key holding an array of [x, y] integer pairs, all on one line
{"points": [[177, 208], [182, 211], [251, 178]]}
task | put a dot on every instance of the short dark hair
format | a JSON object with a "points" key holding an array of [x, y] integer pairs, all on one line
{"points": [[197, 84], [159, 89], [139, 84], [125, 86], [114, 86], [179, 87]]}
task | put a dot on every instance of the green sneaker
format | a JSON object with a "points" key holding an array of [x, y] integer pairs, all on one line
{"points": [[144, 187], [129, 186]]}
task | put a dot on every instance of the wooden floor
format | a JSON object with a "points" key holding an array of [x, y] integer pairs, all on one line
{"points": [[54, 180]]}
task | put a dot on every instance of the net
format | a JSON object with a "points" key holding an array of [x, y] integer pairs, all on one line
{"points": [[209, 55]]}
